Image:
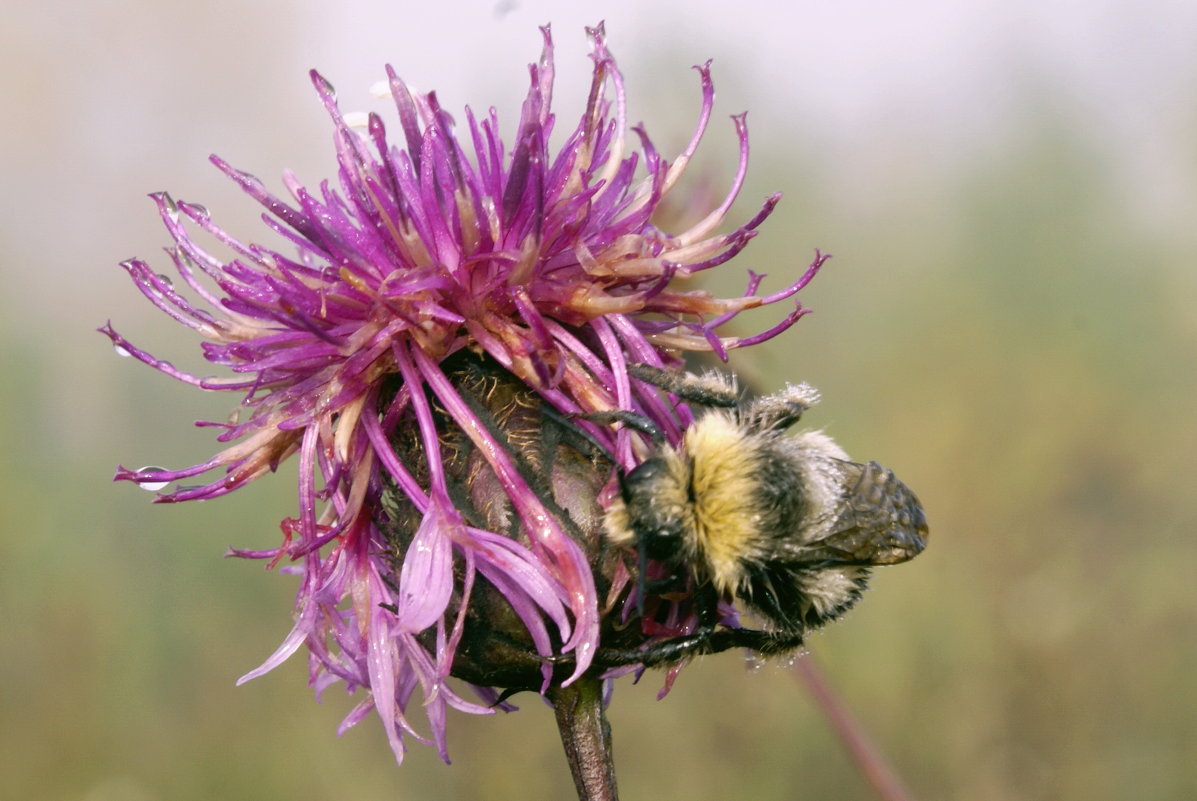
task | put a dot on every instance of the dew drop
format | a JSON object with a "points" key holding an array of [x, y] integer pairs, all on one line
{"points": [[170, 208], [151, 485], [121, 351], [788, 661], [250, 179], [199, 211], [323, 85], [165, 280]]}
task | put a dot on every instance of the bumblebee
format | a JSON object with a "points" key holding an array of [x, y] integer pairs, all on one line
{"points": [[789, 526]]}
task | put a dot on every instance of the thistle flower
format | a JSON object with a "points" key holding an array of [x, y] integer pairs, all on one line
{"points": [[353, 346]]}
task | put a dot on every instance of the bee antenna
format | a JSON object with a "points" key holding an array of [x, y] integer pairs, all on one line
{"points": [[630, 419]]}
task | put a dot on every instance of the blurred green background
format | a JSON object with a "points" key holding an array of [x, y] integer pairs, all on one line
{"points": [[1009, 192]]}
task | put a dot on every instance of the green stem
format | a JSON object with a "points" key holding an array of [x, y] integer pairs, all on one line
{"points": [[586, 736]]}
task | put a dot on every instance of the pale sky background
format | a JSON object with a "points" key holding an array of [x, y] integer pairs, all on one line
{"points": [[107, 100]]}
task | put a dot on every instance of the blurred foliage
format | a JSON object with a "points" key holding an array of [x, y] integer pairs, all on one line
{"points": [[1003, 335]]}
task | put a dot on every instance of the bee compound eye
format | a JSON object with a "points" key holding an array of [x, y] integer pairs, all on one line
{"points": [[646, 475]]}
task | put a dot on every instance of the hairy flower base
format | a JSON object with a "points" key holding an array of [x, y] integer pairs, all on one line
{"points": [[504, 642], [431, 529]]}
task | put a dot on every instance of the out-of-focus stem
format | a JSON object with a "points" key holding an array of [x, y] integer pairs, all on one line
{"points": [[852, 734], [586, 736]]}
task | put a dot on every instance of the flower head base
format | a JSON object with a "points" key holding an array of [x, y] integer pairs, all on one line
{"points": [[544, 266]]}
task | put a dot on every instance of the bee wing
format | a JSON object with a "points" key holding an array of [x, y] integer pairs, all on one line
{"points": [[878, 522]]}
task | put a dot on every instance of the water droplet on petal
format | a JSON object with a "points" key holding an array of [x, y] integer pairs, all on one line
{"points": [[151, 485], [323, 85], [121, 351], [166, 280], [199, 211], [170, 207]]}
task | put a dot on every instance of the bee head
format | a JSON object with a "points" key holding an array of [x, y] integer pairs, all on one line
{"points": [[657, 510]]}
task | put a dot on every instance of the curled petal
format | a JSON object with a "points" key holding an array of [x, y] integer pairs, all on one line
{"points": [[426, 580]]}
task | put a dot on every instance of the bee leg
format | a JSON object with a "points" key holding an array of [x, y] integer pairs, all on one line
{"points": [[780, 410], [766, 643], [709, 638], [674, 649], [566, 433], [701, 642], [629, 419], [709, 389]]}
